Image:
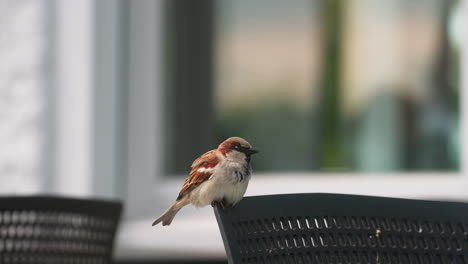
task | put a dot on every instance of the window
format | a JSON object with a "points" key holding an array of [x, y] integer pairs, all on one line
{"points": [[353, 86]]}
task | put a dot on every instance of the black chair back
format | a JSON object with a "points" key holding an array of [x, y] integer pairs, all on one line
{"points": [[333, 228], [42, 229]]}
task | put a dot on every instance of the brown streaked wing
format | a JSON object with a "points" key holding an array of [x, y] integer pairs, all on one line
{"points": [[202, 169]]}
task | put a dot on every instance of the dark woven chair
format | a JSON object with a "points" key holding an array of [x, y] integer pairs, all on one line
{"points": [[334, 228], [41, 229]]}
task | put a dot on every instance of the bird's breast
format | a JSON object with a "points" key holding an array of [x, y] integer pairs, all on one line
{"points": [[241, 174], [235, 172], [229, 182], [232, 181]]}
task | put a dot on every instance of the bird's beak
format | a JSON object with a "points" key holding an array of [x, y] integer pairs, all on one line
{"points": [[251, 151]]}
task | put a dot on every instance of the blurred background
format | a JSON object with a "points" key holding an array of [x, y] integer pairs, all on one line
{"points": [[116, 98]]}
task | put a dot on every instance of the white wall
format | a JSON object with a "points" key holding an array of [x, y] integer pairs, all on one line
{"points": [[23, 70], [58, 97]]}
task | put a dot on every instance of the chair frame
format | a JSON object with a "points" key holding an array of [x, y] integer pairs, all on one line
{"points": [[345, 228], [64, 222]]}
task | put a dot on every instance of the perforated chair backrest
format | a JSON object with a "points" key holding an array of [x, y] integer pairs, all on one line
{"points": [[57, 230], [332, 228]]}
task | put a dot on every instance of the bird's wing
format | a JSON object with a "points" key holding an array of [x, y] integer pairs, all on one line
{"points": [[202, 169]]}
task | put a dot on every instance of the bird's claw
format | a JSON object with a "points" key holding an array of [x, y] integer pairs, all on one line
{"points": [[220, 203]]}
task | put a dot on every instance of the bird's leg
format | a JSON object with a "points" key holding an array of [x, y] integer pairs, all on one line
{"points": [[220, 203]]}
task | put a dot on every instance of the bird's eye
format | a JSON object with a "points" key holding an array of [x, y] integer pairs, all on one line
{"points": [[237, 147]]}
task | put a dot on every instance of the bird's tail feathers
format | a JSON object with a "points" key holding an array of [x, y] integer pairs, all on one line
{"points": [[168, 215]]}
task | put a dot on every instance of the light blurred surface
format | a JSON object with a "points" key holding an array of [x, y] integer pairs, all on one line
{"points": [[115, 98]]}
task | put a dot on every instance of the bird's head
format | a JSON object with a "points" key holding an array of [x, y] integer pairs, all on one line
{"points": [[236, 148]]}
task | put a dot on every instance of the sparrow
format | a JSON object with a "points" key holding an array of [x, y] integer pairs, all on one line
{"points": [[220, 176]]}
